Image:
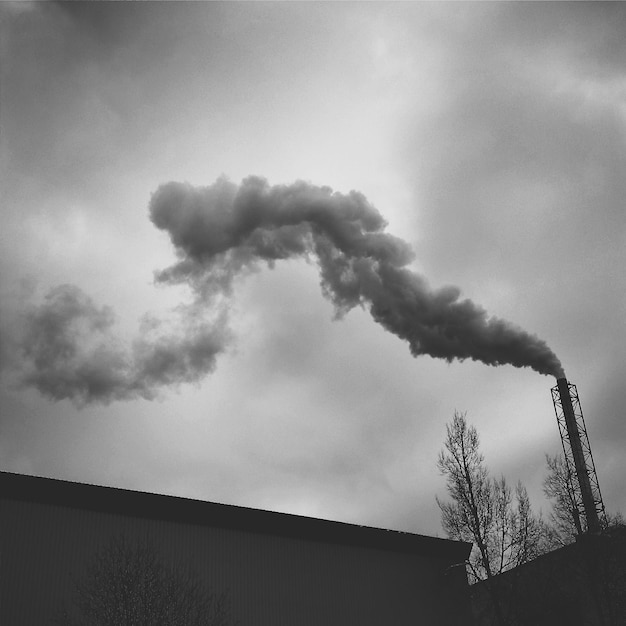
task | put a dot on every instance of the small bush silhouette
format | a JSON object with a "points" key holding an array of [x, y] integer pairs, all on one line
{"points": [[131, 584]]}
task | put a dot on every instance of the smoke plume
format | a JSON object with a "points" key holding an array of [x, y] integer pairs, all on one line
{"points": [[220, 230], [225, 230], [70, 352]]}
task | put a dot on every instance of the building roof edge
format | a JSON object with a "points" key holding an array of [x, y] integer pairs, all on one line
{"points": [[142, 504]]}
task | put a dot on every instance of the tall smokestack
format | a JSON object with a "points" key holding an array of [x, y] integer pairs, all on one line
{"points": [[578, 456]]}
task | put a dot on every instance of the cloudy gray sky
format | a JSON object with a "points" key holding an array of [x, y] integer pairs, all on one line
{"points": [[163, 323]]}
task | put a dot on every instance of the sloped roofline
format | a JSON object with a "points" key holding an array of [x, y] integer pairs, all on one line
{"points": [[112, 500]]}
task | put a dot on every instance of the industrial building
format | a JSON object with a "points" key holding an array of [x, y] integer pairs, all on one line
{"points": [[581, 584], [276, 569]]}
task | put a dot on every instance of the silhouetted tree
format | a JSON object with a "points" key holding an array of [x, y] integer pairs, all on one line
{"points": [[131, 584], [498, 521], [485, 511], [564, 522]]}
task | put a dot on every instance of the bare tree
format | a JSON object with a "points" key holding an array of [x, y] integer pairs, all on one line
{"points": [[518, 534], [470, 514], [485, 511], [131, 584], [564, 519], [500, 523]]}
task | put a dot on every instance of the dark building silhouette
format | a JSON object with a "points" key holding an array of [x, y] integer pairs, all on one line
{"points": [[277, 569], [582, 584]]}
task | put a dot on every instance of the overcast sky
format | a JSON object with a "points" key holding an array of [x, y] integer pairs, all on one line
{"points": [[151, 342]]}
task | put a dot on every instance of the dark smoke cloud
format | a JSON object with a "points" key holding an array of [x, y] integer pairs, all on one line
{"points": [[70, 352], [224, 229]]}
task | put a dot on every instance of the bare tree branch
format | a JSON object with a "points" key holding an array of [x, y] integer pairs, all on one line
{"points": [[131, 584]]}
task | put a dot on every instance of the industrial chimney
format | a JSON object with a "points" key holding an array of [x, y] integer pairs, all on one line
{"points": [[585, 490]]}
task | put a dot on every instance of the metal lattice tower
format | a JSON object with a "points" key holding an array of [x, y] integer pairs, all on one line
{"points": [[585, 489]]}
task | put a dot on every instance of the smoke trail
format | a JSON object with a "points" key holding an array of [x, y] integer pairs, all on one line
{"points": [[70, 352], [223, 231]]}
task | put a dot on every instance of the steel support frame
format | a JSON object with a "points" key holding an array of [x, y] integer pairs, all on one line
{"points": [[589, 511]]}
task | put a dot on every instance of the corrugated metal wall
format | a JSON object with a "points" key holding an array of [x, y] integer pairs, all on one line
{"points": [[271, 580]]}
